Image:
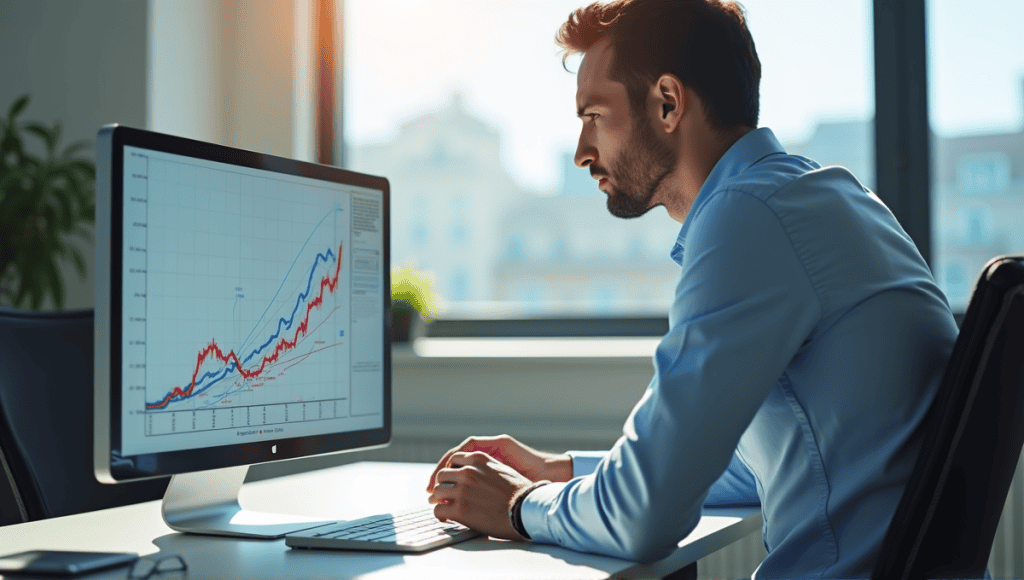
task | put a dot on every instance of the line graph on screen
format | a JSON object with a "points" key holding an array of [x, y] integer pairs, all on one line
{"points": [[289, 352], [213, 351]]}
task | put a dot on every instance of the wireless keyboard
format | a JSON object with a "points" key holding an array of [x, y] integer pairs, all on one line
{"points": [[415, 530]]}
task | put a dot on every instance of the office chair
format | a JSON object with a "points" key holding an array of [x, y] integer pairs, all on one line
{"points": [[947, 517], [46, 420]]}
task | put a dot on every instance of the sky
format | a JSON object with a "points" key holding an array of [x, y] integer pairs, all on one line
{"points": [[975, 65], [404, 58]]}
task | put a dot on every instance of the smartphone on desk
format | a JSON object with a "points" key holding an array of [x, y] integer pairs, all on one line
{"points": [[61, 563]]}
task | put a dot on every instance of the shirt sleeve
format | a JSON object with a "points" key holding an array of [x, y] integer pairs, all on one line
{"points": [[585, 462], [736, 486], [742, 309]]}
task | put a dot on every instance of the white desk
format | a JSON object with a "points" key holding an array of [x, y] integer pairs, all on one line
{"points": [[349, 492]]}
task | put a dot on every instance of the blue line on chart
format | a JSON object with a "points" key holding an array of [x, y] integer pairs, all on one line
{"points": [[286, 274], [287, 323]]}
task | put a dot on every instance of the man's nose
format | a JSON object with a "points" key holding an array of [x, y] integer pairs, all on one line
{"points": [[585, 153]]}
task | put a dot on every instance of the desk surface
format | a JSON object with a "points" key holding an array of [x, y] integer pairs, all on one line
{"points": [[349, 492]]}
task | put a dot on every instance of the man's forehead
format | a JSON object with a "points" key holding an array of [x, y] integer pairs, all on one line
{"points": [[593, 75]]}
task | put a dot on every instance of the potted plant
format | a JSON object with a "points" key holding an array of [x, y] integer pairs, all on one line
{"points": [[412, 297], [45, 200]]}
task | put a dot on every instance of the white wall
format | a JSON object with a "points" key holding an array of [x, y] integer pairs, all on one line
{"points": [[259, 59], [225, 71], [184, 71], [84, 64]]}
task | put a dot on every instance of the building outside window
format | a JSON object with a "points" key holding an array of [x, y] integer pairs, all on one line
{"points": [[984, 174]]}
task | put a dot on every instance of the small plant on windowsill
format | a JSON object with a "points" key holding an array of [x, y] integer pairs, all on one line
{"points": [[413, 300], [44, 201]]}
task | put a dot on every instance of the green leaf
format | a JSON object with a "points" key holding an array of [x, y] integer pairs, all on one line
{"points": [[70, 150], [32, 281], [24, 289], [18, 106], [77, 186], [82, 233], [8, 181], [6, 295], [51, 145], [79, 261], [56, 284], [40, 130], [58, 218], [10, 143], [31, 163], [84, 166]]}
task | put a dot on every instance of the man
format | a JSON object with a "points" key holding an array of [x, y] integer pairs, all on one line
{"points": [[806, 340]]}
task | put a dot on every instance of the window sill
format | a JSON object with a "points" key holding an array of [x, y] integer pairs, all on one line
{"points": [[541, 389], [569, 348]]}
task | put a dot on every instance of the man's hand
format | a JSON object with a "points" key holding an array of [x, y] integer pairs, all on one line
{"points": [[530, 463], [477, 491]]}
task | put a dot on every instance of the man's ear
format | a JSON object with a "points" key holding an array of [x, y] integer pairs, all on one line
{"points": [[669, 99]]}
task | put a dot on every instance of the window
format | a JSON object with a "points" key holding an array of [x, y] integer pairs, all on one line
{"points": [[976, 225], [976, 111], [984, 174], [467, 98], [955, 280]]}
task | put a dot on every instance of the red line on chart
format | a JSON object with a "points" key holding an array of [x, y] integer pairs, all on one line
{"points": [[284, 345]]}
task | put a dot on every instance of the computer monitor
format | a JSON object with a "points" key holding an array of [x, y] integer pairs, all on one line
{"points": [[242, 316]]}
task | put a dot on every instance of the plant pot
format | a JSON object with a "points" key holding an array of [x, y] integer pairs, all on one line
{"points": [[402, 326]]}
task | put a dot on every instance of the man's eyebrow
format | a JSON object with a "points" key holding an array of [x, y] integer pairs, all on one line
{"points": [[594, 102], [579, 111]]}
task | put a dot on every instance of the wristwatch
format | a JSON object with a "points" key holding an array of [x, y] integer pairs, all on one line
{"points": [[515, 512]]}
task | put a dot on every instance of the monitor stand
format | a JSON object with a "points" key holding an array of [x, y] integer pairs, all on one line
{"points": [[206, 502]]}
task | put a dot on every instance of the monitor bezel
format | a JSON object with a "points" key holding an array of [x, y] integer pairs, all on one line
{"points": [[111, 143]]}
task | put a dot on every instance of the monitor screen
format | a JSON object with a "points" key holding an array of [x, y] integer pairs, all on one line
{"points": [[242, 307]]}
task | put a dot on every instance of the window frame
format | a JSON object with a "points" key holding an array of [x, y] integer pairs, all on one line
{"points": [[902, 130]]}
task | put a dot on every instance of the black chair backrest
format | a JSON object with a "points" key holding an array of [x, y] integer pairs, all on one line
{"points": [[947, 517], [46, 419]]}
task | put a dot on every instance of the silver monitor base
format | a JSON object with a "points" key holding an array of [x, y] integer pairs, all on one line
{"points": [[206, 502]]}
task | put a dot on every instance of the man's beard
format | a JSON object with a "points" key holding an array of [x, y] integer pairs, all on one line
{"points": [[644, 164]]}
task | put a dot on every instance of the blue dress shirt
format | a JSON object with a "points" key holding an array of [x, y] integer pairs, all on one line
{"points": [[806, 341]]}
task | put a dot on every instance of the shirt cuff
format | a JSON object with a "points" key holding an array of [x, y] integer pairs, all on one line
{"points": [[534, 510], [585, 462]]}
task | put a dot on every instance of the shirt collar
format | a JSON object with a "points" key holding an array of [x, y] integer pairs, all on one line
{"points": [[744, 153]]}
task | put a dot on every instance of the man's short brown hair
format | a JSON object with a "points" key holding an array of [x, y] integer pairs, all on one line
{"points": [[703, 42]]}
